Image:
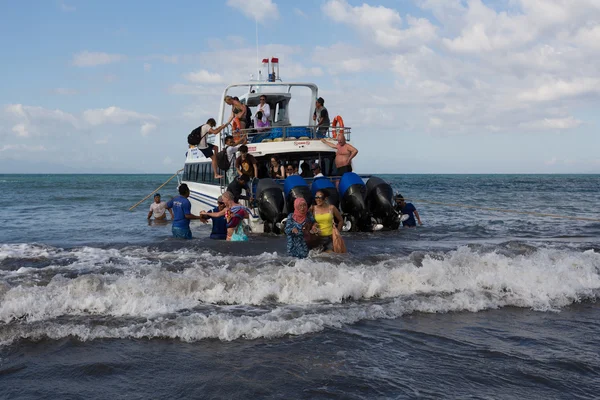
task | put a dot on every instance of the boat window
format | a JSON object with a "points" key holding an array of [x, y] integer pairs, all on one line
{"points": [[192, 174], [199, 172]]}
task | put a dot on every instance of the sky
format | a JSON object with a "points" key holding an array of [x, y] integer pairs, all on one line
{"points": [[428, 86]]}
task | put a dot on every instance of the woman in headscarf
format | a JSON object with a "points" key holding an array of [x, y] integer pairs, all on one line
{"points": [[298, 224]]}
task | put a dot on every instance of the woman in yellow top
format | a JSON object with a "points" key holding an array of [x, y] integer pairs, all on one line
{"points": [[324, 215]]}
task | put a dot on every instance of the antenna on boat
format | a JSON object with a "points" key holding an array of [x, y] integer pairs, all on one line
{"points": [[257, 63]]}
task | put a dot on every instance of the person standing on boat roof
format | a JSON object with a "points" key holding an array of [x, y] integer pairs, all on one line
{"points": [[263, 107], [219, 224], [403, 207], [158, 209], [239, 111], [321, 117], [182, 210], [246, 164], [344, 155], [210, 150]]}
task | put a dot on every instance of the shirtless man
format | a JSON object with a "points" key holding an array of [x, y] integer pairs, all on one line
{"points": [[344, 155]]}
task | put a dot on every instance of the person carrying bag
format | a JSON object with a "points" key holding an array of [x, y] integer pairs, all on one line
{"points": [[338, 243], [325, 216]]}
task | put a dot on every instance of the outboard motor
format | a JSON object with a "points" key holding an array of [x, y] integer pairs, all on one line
{"points": [[328, 187], [270, 203], [353, 190], [380, 202], [295, 187]]}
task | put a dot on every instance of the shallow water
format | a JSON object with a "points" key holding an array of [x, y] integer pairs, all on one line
{"points": [[96, 303]]}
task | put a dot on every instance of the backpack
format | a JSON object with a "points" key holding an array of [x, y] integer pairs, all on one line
{"points": [[195, 137], [248, 117], [223, 159]]}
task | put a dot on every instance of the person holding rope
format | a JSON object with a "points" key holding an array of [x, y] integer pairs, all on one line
{"points": [[402, 207]]}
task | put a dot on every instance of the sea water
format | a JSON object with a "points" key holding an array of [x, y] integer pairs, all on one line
{"points": [[96, 302]]}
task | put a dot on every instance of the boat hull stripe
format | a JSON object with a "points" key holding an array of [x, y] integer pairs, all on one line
{"points": [[203, 195], [203, 202]]}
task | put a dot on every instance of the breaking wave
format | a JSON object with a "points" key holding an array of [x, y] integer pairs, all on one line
{"points": [[141, 292]]}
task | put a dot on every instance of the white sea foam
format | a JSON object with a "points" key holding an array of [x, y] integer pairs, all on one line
{"points": [[282, 296]]}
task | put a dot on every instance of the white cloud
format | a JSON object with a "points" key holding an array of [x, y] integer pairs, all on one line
{"points": [[480, 69], [553, 123], [146, 128], [203, 76], [101, 141], [21, 147], [147, 67], [32, 120], [115, 115], [381, 24], [92, 59], [560, 89], [487, 30], [167, 161], [16, 110], [261, 10], [20, 130]]}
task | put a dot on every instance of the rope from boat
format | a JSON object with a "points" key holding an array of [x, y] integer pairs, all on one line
{"points": [[155, 190], [537, 214]]}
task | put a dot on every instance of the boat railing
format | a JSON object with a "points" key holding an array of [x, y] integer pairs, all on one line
{"points": [[292, 132]]}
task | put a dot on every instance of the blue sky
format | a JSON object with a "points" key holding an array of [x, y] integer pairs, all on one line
{"points": [[429, 86]]}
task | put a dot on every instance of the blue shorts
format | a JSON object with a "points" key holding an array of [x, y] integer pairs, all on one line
{"points": [[184, 233]]}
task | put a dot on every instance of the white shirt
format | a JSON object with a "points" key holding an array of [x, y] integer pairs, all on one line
{"points": [[318, 175], [204, 135], [266, 109], [231, 151], [158, 209]]}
